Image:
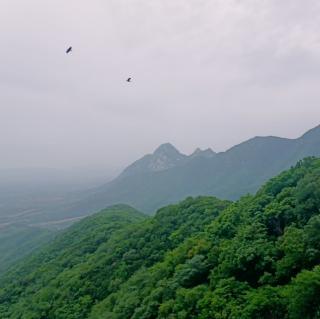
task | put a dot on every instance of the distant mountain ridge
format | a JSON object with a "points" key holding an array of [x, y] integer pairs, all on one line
{"points": [[167, 176], [166, 156], [203, 153]]}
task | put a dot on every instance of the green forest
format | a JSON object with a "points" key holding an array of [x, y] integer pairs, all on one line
{"points": [[17, 241], [204, 258]]}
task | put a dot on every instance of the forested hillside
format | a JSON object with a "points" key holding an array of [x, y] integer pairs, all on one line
{"points": [[203, 258], [16, 242], [157, 179], [94, 257], [259, 259]]}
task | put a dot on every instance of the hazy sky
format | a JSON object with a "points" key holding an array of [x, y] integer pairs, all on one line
{"points": [[207, 73]]}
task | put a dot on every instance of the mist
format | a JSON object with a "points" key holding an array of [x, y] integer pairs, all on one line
{"points": [[205, 74]]}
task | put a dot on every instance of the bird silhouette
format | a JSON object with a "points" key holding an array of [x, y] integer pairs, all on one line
{"points": [[129, 80], [69, 50]]}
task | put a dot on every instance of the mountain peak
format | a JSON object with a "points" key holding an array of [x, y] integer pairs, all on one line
{"points": [[196, 151], [164, 157], [203, 153], [167, 149], [314, 132]]}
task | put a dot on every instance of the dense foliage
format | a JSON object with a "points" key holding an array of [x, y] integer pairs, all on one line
{"points": [[92, 259], [18, 241], [156, 180], [259, 259], [207, 259]]}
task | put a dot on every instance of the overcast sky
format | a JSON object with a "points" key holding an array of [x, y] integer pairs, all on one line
{"points": [[207, 73]]}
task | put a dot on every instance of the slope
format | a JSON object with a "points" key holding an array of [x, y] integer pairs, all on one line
{"points": [[204, 258], [260, 258], [17, 241], [231, 174], [93, 257]]}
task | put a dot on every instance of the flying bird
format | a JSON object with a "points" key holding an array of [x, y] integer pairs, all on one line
{"points": [[69, 50], [129, 80]]}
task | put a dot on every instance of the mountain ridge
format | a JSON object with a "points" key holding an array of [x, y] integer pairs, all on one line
{"points": [[164, 157], [167, 176], [241, 169], [167, 148]]}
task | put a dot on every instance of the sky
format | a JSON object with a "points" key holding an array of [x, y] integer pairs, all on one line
{"points": [[206, 73]]}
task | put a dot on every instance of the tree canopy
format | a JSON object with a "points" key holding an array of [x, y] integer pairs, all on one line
{"points": [[203, 258]]}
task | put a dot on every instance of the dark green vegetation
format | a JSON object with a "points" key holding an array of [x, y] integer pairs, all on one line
{"points": [[95, 256], [16, 242], [158, 179], [167, 176], [59, 259], [204, 258]]}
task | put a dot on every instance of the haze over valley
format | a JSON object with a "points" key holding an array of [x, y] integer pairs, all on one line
{"points": [[163, 177], [159, 159]]}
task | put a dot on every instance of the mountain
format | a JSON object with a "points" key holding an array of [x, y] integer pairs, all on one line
{"points": [[203, 258], [209, 153], [164, 157], [167, 176]]}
